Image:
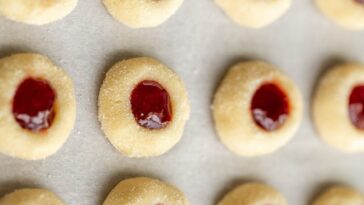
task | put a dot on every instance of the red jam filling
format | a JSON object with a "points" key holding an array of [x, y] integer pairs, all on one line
{"points": [[33, 104], [359, 1], [151, 105], [269, 107], [356, 107]]}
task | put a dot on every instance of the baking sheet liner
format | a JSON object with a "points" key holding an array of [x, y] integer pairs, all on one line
{"points": [[199, 43]]}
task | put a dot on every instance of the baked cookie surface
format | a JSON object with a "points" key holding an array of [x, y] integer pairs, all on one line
{"points": [[142, 13], [254, 13], [37, 12], [346, 13], [338, 107], [253, 194], [339, 195], [142, 191], [37, 106], [256, 109], [143, 107], [31, 197]]}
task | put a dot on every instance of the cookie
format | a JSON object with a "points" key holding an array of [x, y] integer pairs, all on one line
{"points": [[142, 190], [37, 12], [31, 197], [348, 14], [339, 195], [143, 107], [37, 106], [253, 194], [254, 13], [256, 109], [338, 107], [142, 13]]}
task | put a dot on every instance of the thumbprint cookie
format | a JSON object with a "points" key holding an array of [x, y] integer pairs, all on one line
{"points": [[37, 12], [142, 190], [254, 13], [31, 197], [37, 106], [142, 13], [338, 107], [256, 109], [339, 195], [253, 194], [143, 107], [346, 13]]}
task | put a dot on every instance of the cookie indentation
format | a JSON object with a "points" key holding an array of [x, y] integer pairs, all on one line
{"points": [[33, 105], [356, 107], [269, 107], [151, 105]]}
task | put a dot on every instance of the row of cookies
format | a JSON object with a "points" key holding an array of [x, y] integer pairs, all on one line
{"points": [[257, 109], [143, 190], [146, 13], [143, 107]]}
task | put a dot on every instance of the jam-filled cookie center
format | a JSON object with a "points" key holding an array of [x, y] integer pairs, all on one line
{"points": [[269, 107], [151, 105], [33, 104], [356, 107], [359, 1]]}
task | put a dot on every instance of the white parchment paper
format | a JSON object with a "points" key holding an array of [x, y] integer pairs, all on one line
{"points": [[199, 43]]}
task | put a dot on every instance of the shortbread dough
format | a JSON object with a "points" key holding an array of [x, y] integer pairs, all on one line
{"points": [[24, 143], [234, 123], [142, 13], [37, 12], [142, 190], [330, 108], [347, 13], [115, 109], [254, 13], [339, 195], [253, 194], [31, 197]]}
